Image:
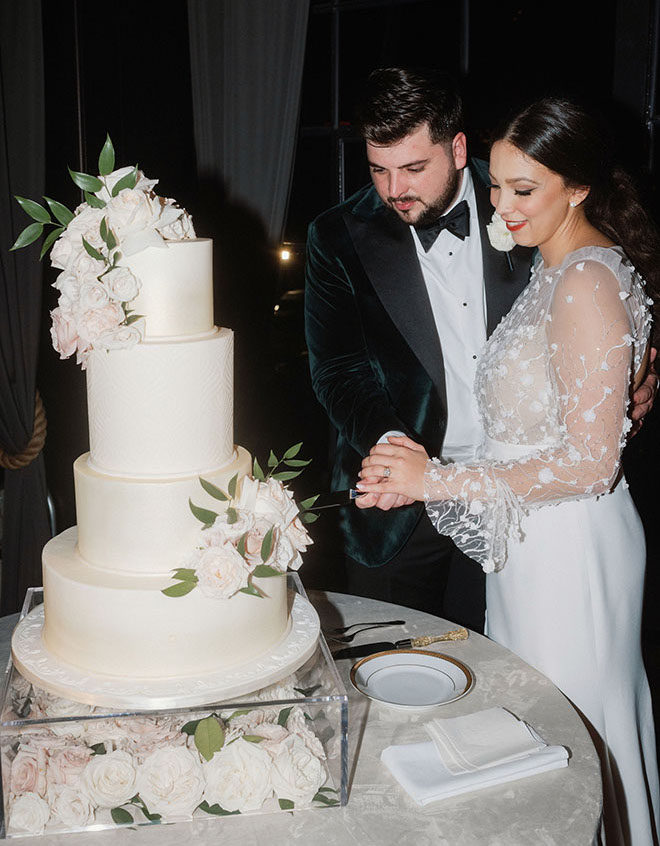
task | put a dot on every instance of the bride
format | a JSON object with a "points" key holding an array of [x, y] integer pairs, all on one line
{"points": [[565, 583]]}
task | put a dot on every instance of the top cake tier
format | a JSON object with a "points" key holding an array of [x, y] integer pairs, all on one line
{"points": [[176, 297]]}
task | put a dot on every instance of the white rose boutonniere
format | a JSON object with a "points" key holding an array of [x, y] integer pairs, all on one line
{"points": [[498, 235]]}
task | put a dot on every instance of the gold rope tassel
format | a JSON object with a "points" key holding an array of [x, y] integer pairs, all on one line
{"points": [[36, 444]]}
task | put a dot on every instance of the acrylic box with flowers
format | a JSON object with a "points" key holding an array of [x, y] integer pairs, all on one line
{"points": [[71, 767]]}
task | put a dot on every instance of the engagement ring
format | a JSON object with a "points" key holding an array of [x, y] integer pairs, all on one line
{"points": [[387, 472]]}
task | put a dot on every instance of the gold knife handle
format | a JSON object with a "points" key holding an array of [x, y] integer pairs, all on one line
{"points": [[427, 640]]}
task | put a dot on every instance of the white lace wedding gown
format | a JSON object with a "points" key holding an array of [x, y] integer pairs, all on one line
{"points": [[565, 582]]}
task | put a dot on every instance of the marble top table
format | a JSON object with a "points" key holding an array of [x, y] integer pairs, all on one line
{"points": [[561, 807]]}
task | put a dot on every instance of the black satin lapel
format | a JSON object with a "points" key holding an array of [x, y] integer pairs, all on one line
{"points": [[505, 274], [386, 250]]}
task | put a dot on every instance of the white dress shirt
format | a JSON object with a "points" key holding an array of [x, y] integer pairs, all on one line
{"points": [[453, 272]]}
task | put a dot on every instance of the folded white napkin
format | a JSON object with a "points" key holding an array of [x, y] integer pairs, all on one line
{"points": [[467, 753]]}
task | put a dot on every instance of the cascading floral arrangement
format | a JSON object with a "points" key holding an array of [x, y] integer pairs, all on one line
{"points": [[121, 216], [259, 534]]}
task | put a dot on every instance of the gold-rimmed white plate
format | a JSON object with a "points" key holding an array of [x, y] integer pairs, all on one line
{"points": [[412, 678]]}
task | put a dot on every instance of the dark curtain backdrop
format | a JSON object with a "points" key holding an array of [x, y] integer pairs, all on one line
{"points": [[26, 526], [246, 66]]}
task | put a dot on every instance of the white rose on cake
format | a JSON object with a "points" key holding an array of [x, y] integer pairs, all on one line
{"points": [[221, 572], [222, 530], [133, 217], [238, 777], [85, 224], [170, 782], [121, 284], [181, 228], [64, 332], [69, 807], [109, 780], [122, 337], [28, 812], [297, 773], [143, 183]]}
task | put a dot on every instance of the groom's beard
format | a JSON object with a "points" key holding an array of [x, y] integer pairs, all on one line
{"points": [[434, 209]]}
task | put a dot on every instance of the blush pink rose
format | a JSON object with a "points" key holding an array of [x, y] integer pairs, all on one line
{"points": [[63, 333], [66, 765], [28, 772]]}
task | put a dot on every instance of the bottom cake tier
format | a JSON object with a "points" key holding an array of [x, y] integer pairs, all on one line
{"points": [[122, 624]]}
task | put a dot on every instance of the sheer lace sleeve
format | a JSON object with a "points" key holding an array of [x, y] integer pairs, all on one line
{"points": [[591, 336]]}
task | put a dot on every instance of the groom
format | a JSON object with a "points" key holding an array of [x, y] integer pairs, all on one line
{"points": [[403, 288]]}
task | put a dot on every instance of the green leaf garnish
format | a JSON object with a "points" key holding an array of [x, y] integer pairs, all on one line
{"points": [[232, 516], [286, 804], [120, 816], [35, 211], [49, 240], [240, 546], [273, 460], [253, 738], [309, 517], [128, 181], [251, 590], [98, 748], [284, 716], [304, 504], [86, 181], [107, 157], [94, 202], [132, 318], [231, 487], [209, 737], [319, 797], [185, 574], [179, 589], [267, 544], [265, 571], [215, 809], [213, 491], [190, 727], [257, 472], [95, 254], [28, 235], [61, 212], [293, 451], [203, 514], [297, 462], [286, 475]]}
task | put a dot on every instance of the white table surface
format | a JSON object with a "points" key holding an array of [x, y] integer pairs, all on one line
{"points": [[560, 807]]}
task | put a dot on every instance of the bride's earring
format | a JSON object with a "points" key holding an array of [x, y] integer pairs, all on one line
{"points": [[572, 204]]}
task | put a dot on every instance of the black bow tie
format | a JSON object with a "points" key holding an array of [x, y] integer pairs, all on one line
{"points": [[457, 222]]}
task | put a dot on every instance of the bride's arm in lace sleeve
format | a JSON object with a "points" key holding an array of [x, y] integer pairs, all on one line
{"points": [[590, 348]]}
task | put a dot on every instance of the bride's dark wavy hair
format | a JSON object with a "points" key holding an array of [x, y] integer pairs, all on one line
{"points": [[564, 138]]}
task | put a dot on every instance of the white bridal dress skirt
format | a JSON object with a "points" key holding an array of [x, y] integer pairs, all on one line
{"points": [[569, 602]]}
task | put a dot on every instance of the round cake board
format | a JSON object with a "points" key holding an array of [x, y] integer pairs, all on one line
{"points": [[36, 664]]}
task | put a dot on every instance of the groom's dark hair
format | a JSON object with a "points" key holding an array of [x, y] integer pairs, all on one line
{"points": [[397, 101]]}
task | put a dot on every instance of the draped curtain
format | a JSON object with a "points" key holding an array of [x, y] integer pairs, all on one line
{"points": [[22, 165], [246, 66]]}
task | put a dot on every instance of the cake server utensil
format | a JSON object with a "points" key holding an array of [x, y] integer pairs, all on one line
{"points": [[334, 499], [408, 643], [348, 638], [340, 630]]}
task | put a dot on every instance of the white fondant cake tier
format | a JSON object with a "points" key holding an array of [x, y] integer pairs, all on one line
{"points": [[143, 525], [176, 297], [162, 409], [121, 624]]}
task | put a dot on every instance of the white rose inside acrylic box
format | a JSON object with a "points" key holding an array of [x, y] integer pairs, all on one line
{"points": [[68, 766]]}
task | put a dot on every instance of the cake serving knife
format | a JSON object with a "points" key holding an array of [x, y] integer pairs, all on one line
{"points": [[407, 643]]}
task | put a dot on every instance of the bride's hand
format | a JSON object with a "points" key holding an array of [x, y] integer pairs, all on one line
{"points": [[396, 467]]}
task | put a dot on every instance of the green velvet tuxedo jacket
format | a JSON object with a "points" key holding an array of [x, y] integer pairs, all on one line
{"points": [[374, 351]]}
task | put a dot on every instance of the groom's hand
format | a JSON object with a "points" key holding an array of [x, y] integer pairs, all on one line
{"points": [[644, 395], [384, 501]]}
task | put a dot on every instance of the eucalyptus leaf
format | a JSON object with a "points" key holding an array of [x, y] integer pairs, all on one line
{"points": [[111, 241], [209, 737], [190, 727], [284, 716], [231, 487], [293, 451], [257, 472], [253, 738], [103, 228], [232, 516], [267, 544], [216, 809], [213, 491], [203, 514], [107, 157], [264, 571], [86, 181], [240, 546], [309, 517], [251, 590], [36, 211], [304, 504], [49, 241], [286, 804], [94, 253], [28, 235], [120, 816], [297, 462], [286, 475], [94, 202], [128, 181], [273, 460], [61, 212], [179, 589]]}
